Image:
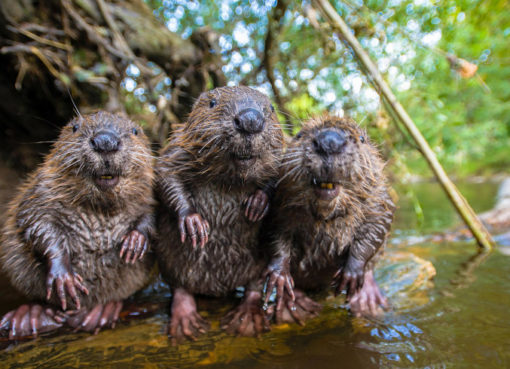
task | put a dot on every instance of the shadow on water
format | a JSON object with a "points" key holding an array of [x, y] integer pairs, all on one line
{"points": [[457, 319]]}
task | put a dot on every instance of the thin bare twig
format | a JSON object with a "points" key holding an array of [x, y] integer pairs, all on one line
{"points": [[91, 32], [41, 28], [33, 50], [273, 27], [39, 39], [120, 39]]}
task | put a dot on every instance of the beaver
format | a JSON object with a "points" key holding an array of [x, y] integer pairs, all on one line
{"points": [[214, 180], [331, 216], [76, 235]]}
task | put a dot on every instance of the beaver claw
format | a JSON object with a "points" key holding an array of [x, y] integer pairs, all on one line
{"points": [[349, 278], [248, 319], [193, 225], [134, 246], [30, 320], [298, 311], [185, 321], [186, 326], [279, 278], [257, 206], [99, 317], [368, 301], [64, 280]]}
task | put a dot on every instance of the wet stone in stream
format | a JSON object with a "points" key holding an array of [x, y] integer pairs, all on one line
{"points": [[403, 277]]}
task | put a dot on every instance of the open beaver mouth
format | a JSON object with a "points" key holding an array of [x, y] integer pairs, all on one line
{"points": [[106, 181], [325, 190]]}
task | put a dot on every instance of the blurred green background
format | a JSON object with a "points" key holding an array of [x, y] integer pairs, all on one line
{"points": [[465, 120], [285, 49]]}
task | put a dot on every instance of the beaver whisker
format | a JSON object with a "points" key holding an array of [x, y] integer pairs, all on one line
{"points": [[70, 163], [288, 114], [299, 174], [293, 162], [289, 173], [144, 156], [214, 138], [292, 157], [139, 162], [198, 131]]}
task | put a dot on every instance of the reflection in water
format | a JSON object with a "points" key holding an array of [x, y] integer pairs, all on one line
{"points": [[466, 273], [398, 342]]}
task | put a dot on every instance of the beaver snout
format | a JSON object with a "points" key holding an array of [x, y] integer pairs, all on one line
{"points": [[329, 142], [249, 121], [105, 142]]}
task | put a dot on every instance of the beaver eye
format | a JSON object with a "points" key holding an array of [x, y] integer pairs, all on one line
{"points": [[299, 135], [362, 139], [75, 127], [135, 131], [212, 103], [272, 108]]}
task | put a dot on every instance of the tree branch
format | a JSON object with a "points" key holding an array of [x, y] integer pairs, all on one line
{"points": [[465, 211], [274, 25]]}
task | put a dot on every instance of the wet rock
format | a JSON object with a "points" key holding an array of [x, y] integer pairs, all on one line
{"points": [[403, 277]]}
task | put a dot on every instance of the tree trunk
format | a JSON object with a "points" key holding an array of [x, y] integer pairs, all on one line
{"points": [[54, 49]]}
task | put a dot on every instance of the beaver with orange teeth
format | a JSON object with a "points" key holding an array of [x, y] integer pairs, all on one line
{"points": [[76, 234], [331, 217]]}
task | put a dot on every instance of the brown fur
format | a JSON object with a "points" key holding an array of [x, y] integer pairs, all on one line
{"points": [[198, 171], [320, 236], [60, 207]]}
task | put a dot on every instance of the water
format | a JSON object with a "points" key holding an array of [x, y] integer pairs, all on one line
{"points": [[460, 319]]}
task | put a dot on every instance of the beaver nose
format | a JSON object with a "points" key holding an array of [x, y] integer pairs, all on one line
{"points": [[105, 142], [249, 121], [329, 142]]}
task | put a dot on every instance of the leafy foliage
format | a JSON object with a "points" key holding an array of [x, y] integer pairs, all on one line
{"points": [[466, 120]]}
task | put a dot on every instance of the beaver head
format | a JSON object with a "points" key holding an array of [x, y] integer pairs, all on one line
{"points": [[103, 156], [234, 134], [334, 166]]}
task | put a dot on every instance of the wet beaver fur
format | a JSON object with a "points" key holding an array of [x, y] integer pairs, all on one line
{"points": [[214, 179], [331, 217], [76, 234]]}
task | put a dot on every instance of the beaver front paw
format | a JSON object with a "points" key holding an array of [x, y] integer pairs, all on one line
{"points": [[64, 280], [248, 319], [257, 206], [192, 225], [134, 246], [349, 278]]}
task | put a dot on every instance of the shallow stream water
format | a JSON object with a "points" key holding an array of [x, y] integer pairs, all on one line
{"points": [[460, 318]]}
